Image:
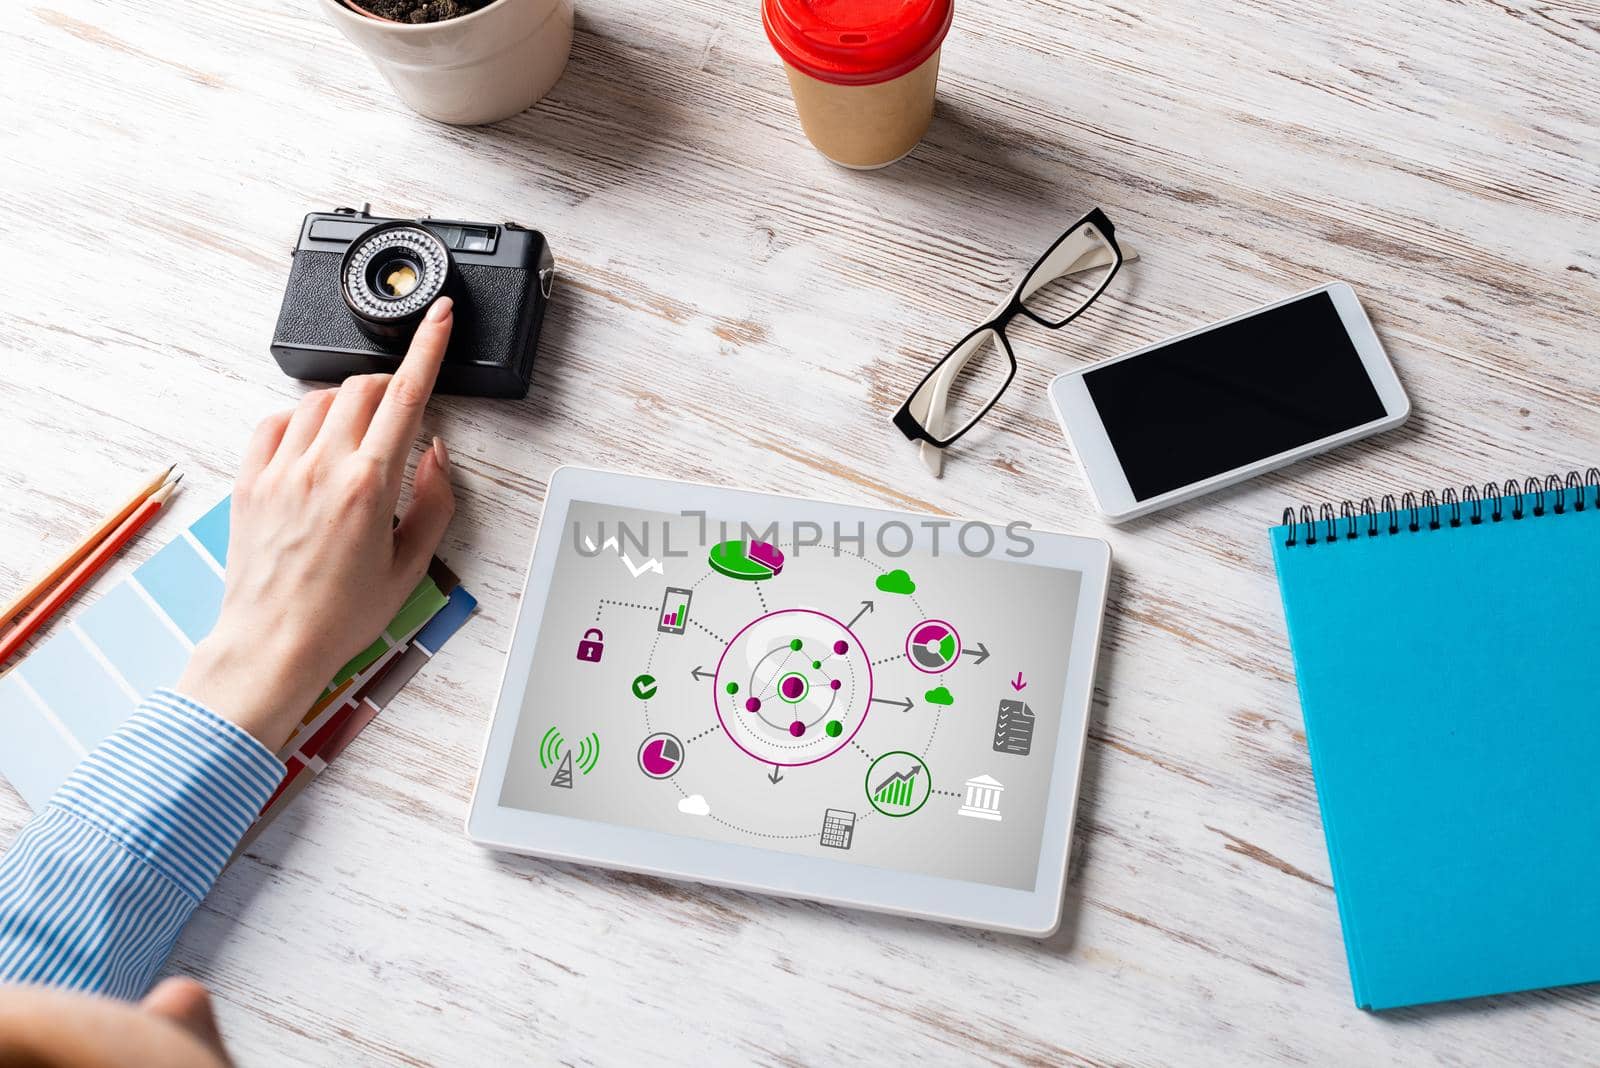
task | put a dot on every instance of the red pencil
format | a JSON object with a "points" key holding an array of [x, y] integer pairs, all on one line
{"points": [[79, 576], [109, 522]]}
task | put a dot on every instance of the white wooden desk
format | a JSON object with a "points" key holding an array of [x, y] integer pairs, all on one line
{"points": [[725, 296]]}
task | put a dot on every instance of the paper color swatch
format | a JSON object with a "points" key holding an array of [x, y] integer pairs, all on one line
{"points": [[76, 687]]}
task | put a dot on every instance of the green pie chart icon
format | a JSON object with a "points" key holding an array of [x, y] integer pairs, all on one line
{"points": [[750, 561]]}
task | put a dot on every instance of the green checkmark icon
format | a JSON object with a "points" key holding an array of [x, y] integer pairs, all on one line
{"points": [[644, 687]]}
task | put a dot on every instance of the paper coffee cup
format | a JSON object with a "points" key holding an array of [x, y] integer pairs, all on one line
{"points": [[863, 74]]}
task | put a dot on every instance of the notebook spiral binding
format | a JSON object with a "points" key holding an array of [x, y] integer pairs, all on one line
{"points": [[1494, 504]]}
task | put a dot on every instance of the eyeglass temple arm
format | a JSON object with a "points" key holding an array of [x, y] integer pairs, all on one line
{"points": [[928, 406]]}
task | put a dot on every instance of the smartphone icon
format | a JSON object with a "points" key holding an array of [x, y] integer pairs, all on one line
{"points": [[674, 610]]}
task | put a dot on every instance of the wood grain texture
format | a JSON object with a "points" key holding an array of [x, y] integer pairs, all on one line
{"points": [[1439, 155]]}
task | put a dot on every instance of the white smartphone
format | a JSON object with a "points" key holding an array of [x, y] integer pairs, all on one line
{"points": [[1227, 401]]}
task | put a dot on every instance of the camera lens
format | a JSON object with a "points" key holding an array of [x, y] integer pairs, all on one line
{"points": [[393, 277], [391, 274]]}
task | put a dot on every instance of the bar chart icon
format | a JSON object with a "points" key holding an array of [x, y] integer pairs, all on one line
{"points": [[898, 789], [898, 783], [674, 610]]}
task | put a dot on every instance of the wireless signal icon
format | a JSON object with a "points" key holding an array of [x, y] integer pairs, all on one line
{"points": [[588, 752], [551, 748]]}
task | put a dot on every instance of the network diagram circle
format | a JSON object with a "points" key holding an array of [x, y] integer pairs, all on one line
{"points": [[933, 646], [793, 687]]}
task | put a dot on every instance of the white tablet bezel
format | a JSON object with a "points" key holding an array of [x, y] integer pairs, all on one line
{"points": [[1108, 485], [1034, 912]]}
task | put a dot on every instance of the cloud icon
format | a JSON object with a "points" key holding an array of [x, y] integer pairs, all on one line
{"points": [[939, 695], [896, 581], [694, 805]]}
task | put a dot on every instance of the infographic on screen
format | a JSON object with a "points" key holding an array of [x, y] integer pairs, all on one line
{"points": [[710, 678]]}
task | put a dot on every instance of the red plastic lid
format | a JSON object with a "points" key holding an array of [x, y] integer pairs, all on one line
{"points": [[856, 42]]}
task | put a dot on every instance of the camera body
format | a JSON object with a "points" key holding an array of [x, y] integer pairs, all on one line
{"points": [[499, 277]]}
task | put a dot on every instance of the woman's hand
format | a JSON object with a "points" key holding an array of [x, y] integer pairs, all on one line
{"points": [[316, 568]]}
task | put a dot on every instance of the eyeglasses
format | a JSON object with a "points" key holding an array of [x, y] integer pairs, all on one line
{"points": [[961, 388]]}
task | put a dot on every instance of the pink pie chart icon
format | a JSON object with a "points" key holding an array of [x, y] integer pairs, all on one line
{"points": [[661, 755]]}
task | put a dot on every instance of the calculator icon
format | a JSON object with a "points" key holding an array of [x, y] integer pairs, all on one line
{"points": [[838, 827]]}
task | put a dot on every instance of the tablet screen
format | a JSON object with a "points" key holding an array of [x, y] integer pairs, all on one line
{"points": [[858, 691]]}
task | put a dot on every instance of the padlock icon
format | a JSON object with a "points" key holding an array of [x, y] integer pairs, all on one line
{"points": [[592, 645]]}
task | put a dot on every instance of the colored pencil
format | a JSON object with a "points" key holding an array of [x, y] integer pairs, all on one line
{"points": [[75, 555], [86, 569]]}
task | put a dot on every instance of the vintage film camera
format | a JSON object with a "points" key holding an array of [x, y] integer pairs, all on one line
{"points": [[359, 286]]}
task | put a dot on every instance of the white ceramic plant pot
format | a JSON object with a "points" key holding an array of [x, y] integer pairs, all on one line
{"points": [[478, 68]]}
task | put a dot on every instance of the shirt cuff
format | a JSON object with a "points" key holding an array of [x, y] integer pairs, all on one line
{"points": [[177, 785]]}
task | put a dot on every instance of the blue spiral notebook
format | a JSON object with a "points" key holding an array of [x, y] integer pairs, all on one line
{"points": [[1447, 651]]}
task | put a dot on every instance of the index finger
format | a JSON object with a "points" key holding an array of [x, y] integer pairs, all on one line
{"points": [[399, 416]]}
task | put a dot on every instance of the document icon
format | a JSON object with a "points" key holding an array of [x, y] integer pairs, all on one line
{"points": [[1013, 728]]}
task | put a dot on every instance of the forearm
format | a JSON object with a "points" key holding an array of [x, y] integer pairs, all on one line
{"points": [[95, 890], [97, 887]]}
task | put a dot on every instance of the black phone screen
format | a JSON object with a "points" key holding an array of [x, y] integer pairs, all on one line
{"points": [[1231, 396]]}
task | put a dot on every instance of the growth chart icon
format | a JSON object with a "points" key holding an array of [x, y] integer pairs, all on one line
{"points": [[898, 783], [675, 610]]}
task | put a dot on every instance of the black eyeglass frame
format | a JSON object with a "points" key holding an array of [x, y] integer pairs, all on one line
{"points": [[913, 429]]}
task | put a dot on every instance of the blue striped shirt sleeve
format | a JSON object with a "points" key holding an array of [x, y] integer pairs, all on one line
{"points": [[96, 888]]}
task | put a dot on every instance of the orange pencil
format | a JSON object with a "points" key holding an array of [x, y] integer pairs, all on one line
{"points": [[76, 554], [79, 576]]}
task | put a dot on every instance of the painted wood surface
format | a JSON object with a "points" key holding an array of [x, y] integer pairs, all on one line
{"points": [[727, 300]]}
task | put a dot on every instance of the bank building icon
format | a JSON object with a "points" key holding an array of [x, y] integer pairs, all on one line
{"points": [[983, 798]]}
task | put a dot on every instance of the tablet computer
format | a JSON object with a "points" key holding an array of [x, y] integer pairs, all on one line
{"points": [[864, 707]]}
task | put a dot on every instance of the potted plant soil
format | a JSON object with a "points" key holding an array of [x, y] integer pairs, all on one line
{"points": [[462, 61]]}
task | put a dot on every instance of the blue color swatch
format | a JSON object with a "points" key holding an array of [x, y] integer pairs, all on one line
{"points": [[211, 531], [446, 621], [135, 639], [35, 757], [77, 687], [185, 586]]}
